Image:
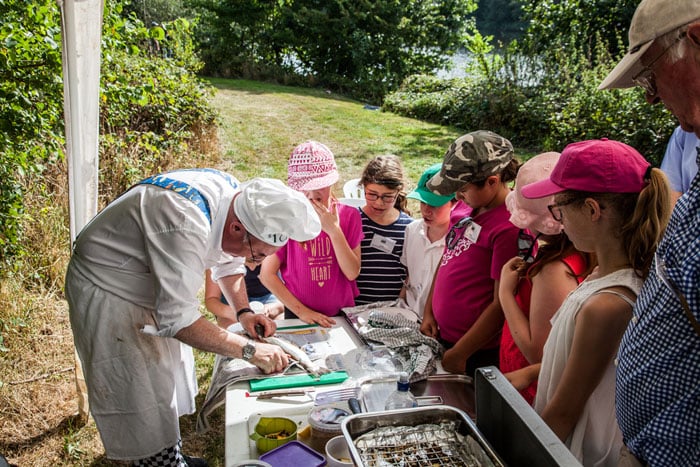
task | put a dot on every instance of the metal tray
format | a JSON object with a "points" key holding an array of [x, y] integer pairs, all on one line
{"points": [[416, 449], [453, 390]]}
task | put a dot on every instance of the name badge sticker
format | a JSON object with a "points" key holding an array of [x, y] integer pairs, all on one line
{"points": [[472, 232], [383, 243]]}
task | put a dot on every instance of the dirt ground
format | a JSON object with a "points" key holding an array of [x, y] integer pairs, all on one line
{"points": [[39, 423]]}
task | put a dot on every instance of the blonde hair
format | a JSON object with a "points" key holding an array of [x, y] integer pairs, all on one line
{"points": [[386, 170], [643, 217], [644, 229]]}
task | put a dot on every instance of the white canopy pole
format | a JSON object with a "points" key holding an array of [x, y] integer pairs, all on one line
{"points": [[81, 24]]}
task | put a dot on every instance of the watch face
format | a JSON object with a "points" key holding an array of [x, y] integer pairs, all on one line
{"points": [[248, 350]]}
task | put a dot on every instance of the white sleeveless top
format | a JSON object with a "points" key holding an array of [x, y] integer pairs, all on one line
{"points": [[596, 439]]}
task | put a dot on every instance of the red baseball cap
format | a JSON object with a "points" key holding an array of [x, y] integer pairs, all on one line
{"points": [[595, 166]]}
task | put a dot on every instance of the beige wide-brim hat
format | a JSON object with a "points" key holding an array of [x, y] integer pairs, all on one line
{"points": [[652, 19], [533, 214]]}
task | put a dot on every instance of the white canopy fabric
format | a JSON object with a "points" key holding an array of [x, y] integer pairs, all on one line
{"points": [[81, 25]]}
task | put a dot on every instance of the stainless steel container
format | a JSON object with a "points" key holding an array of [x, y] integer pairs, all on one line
{"points": [[417, 437]]}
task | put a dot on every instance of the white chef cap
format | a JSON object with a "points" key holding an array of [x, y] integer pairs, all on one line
{"points": [[274, 213]]}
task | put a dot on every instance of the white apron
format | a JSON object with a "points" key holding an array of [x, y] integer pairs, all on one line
{"points": [[131, 285]]}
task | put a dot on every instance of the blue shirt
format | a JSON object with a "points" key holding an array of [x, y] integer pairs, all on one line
{"points": [[679, 163], [658, 373]]}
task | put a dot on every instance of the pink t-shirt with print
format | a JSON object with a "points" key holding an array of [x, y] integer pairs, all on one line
{"points": [[311, 272], [467, 272]]}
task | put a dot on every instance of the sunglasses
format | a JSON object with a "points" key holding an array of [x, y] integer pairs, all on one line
{"points": [[452, 237], [526, 245]]}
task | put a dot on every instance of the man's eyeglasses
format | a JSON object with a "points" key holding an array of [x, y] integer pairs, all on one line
{"points": [[556, 212], [526, 246], [452, 237], [253, 258], [645, 79], [386, 198]]}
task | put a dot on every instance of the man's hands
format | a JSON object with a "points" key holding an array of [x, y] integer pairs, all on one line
{"points": [[250, 321], [269, 358]]}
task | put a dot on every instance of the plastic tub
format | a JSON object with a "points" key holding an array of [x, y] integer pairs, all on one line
{"points": [[294, 453], [325, 422]]}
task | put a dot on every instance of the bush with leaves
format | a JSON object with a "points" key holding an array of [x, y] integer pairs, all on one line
{"points": [[541, 102], [31, 108], [152, 107]]}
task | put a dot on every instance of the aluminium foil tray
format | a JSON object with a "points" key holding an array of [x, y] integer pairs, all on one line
{"points": [[416, 451]]}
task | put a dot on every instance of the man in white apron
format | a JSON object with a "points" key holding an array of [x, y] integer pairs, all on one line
{"points": [[132, 286]]}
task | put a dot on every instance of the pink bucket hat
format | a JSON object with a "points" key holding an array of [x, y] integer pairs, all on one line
{"points": [[533, 214], [595, 166], [311, 167]]}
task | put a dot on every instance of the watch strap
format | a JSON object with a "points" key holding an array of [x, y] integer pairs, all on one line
{"points": [[241, 311]]}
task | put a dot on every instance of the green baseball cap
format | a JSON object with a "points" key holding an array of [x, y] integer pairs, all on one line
{"points": [[421, 192]]}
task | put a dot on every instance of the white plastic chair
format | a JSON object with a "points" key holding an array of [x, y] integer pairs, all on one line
{"points": [[354, 194], [353, 189]]}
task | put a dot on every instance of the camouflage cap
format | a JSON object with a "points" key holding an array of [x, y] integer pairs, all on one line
{"points": [[472, 157]]}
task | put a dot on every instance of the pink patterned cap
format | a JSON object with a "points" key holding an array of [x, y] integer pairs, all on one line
{"points": [[311, 167]]}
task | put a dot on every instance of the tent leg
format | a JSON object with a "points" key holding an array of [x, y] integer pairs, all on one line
{"points": [[81, 387]]}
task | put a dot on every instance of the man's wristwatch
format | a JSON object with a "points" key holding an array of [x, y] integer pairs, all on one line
{"points": [[248, 350]]}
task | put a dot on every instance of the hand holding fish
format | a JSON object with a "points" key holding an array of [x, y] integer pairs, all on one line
{"points": [[253, 322], [269, 358]]}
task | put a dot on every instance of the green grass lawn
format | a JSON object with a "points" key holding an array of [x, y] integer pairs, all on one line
{"points": [[261, 123]]}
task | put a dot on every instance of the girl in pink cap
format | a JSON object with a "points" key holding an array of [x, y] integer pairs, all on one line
{"points": [[316, 278], [532, 288], [612, 203]]}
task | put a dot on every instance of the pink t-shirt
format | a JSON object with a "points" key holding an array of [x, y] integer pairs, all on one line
{"points": [[311, 272], [467, 272]]}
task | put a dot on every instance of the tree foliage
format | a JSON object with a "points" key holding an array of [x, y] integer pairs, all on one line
{"points": [[364, 47], [151, 103], [577, 25], [546, 97], [501, 19], [155, 12], [31, 105]]}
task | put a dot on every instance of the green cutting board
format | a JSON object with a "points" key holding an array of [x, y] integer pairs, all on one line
{"points": [[295, 381]]}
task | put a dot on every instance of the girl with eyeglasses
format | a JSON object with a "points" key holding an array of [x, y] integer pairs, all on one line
{"points": [[384, 221], [532, 289], [611, 203]]}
